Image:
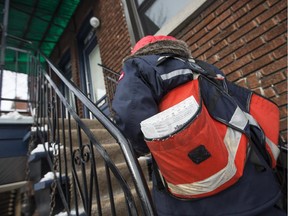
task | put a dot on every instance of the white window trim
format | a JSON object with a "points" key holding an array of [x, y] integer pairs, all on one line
{"points": [[181, 17]]}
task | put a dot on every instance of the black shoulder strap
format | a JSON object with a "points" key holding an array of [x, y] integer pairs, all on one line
{"points": [[159, 183]]}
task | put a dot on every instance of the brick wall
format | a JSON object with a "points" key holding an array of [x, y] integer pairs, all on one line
{"points": [[112, 37], [247, 40]]}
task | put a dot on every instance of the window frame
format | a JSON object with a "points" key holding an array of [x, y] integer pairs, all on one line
{"points": [[171, 27]]}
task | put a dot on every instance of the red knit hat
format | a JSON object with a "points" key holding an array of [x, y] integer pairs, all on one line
{"points": [[149, 39]]}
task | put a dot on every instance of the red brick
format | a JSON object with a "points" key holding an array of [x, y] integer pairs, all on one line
{"points": [[253, 81], [276, 31], [224, 63], [200, 34], [282, 15], [252, 45], [275, 66], [251, 5], [242, 82], [239, 64], [272, 79], [270, 3], [258, 90], [242, 31], [236, 75], [206, 39], [213, 59], [271, 12], [232, 19], [280, 52], [214, 50], [201, 50], [239, 5], [268, 47], [281, 87], [256, 64], [232, 48], [283, 112], [226, 6], [260, 30], [194, 47], [224, 34], [218, 20], [212, 8], [250, 15], [269, 92], [280, 100]]}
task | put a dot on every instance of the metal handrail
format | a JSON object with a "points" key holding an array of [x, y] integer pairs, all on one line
{"points": [[133, 164]]}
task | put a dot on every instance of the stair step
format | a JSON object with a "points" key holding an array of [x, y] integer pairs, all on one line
{"points": [[120, 203], [90, 123], [102, 180], [101, 135], [112, 149]]}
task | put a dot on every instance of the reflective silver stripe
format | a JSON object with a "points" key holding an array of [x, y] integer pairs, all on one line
{"points": [[175, 73], [239, 119], [232, 141], [274, 148], [252, 121]]}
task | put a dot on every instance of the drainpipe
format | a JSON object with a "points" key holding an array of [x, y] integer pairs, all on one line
{"points": [[3, 45]]}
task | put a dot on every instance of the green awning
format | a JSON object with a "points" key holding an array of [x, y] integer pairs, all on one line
{"points": [[40, 22]]}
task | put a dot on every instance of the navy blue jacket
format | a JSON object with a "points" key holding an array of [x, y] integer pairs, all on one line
{"points": [[146, 80]]}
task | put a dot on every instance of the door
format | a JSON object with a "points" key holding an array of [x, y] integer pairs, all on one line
{"points": [[91, 74]]}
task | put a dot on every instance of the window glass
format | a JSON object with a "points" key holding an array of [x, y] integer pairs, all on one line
{"points": [[158, 13], [97, 77], [15, 86]]}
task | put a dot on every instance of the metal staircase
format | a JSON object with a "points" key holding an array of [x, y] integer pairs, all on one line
{"points": [[94, 169], [98, 190], [78, 166]]}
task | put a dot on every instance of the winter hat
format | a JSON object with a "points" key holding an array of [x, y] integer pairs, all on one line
{"points": [[160, 44], [148, 40]]}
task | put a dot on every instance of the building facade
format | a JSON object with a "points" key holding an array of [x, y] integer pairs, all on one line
{"points": [[247, 40]]}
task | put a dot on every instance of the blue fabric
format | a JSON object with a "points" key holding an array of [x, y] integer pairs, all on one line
{"points": [[252, 195], [137, 97], [139, 92]]}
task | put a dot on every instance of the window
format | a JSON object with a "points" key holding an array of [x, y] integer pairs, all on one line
{"points": [[154, 14], [15, 86], [65, 66], [91, 74], [152, 17], [96, 72]]}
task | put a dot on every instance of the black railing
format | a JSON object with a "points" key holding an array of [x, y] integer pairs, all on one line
{"points": [[74, 152], [111, 77]]}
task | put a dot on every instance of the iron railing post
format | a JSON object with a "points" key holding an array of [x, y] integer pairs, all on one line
{"points": [[3, 44]]}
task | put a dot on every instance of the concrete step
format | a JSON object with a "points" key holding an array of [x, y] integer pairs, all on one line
{"points": [[103, 184], [90, 123], [67, 160], [121, 207], [112, 149], [101, 135]]}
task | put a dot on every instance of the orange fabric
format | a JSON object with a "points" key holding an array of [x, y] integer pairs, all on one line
{"points": [[171, 154]]}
